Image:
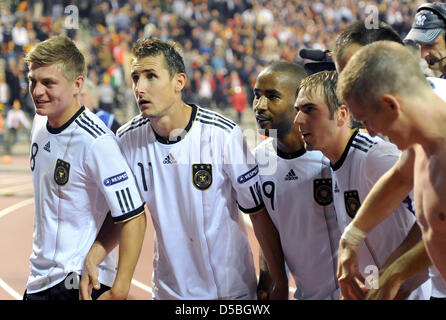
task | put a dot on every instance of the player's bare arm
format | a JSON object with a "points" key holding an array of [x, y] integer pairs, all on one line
{"points": [[393, 283], [269, 240], [99, 250], [130, 236]]}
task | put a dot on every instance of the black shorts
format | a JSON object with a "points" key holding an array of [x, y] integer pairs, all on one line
{"points": [[61, 292]]}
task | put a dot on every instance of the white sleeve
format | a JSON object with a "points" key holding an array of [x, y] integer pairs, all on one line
{"points": [[243, 171], [113, 176]]}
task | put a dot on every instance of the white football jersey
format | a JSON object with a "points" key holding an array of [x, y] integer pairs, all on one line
{"points": [[194, 185], [364, 161], [299, 200], [79, 174]]}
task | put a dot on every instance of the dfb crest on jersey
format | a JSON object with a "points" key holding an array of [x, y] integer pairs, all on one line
{"points": [[202, 175], [322, 191], [61, 172], [352, 202]]}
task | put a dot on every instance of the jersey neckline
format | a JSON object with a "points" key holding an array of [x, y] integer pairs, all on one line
{"points": [[66, 124], [292, 155], [340, 162], [172, 140]]}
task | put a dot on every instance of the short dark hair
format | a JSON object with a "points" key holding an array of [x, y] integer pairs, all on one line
{"points": [[295, 71], [154, 47], [359, 33]]}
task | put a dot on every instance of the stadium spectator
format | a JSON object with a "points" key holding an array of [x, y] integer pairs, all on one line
{"points": [[15, 121], [224, 33]]}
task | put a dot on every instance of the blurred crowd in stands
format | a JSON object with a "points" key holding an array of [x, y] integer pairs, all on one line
{"points": [[225, 43]]}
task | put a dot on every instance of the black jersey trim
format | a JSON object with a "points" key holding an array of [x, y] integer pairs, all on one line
{"points": [[293, 155], [124, 198], [172, 140], [135, 120], [85, 125], [135, 123], [129, 197], [66, 124], [365, 138], [340, 162], [360, 148], [213, 123], [215, 116], [92, 123], [362, 143], [129, 215], [86, 128], [252, 210], [205, 117]]}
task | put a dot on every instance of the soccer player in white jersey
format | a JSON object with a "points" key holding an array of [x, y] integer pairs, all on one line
{"points": [[379, 202], [195, 172], [79, 174], [296, 187], [357, 161]]}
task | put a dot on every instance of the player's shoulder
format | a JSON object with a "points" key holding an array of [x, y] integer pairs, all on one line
{"points": [[132, 126], [380, 150], [91, 126], [211, 118], [363, 142]]}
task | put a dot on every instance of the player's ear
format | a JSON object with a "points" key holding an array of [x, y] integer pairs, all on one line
{"points": [[78, 83], [342, 115], [390, 102], [180, 81]]}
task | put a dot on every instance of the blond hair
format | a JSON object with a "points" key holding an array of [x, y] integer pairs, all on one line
{"points": [[325, 81], [58, 50], [383, 67]]}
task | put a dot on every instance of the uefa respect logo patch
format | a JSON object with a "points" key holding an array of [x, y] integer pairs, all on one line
{"points": [[115, 179], [250, 174]]}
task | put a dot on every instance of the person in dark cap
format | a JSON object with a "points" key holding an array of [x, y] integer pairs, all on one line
{"points": [[429, 31]]}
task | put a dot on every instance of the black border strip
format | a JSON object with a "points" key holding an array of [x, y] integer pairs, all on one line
{"points": [[85, 128], [132, 126], [252, 210], [293, 155], [66, 124], [340, 162], [225, 128], [218, 116], [172, 140], [129, 215]]}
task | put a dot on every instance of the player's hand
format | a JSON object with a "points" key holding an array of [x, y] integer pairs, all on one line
{"points": [[114, 293], [88, 282], [351, 281], [279, 290], [263, 287]]}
